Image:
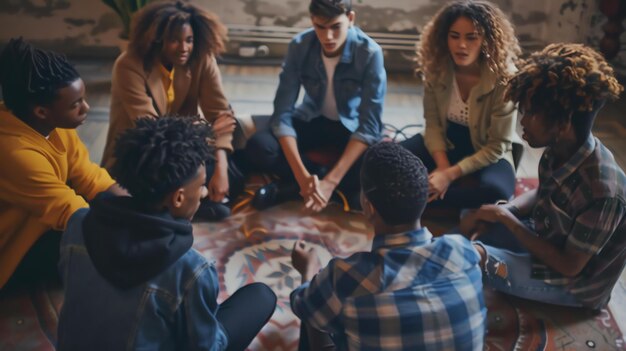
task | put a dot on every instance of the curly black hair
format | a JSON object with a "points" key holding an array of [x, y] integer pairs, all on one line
{"points": [[566, 82], [160, 155], [396, 183], [32, 77], [329, 8]]}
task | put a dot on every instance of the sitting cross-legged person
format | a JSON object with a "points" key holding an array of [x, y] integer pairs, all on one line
{"points": [[344, 80], [45, 171], [132, 279], [410, 292], [565, 242]]}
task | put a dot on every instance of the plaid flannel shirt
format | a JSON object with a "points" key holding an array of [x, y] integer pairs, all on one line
{"points": [[583, 203], [409, 293]]}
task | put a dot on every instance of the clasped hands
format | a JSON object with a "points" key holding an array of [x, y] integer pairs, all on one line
{"points": [[316, 192], [438, 182], [477, 222]]}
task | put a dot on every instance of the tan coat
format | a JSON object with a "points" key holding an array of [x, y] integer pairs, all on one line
{"points": [[136, 92], [492, 121]]}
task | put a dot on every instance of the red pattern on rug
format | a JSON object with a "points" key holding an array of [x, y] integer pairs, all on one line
{"points": [[253, 246]]}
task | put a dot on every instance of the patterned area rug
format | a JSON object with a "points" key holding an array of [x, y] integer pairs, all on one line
{"points": [[256, 246]]}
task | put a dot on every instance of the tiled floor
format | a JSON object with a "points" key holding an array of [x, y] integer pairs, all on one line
{"points": [[251, 89]]}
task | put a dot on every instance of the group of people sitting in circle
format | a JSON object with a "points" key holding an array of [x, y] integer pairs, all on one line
{"points": [[120, 237]]}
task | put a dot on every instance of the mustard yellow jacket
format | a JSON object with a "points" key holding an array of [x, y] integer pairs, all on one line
{"points": [[42, 183], [137, 92], [492, 121]]}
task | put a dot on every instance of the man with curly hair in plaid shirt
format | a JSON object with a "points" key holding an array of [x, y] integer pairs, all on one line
{"points": [[410, 292], [565, 242]]}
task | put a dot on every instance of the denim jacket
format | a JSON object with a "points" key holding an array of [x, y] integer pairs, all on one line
{"points": [[360, 84], [174, 310]]}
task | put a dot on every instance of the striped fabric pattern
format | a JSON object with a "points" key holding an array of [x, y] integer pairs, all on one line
{"points": [[411, 292], [583, 204]]}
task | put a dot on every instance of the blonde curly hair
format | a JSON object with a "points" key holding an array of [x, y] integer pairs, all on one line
{"points": [[566, 82], [500, 46]]}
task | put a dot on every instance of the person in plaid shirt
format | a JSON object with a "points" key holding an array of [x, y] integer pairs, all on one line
{"points": [[565, 242], [410, 292]]}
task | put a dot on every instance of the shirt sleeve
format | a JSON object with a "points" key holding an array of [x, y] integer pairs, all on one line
{"points": [[31, 183], [286, 95], [317, 303], [212, 99], [594, 227], [200, 304], [502, 118], [86, 177], [370, 110], [434, 135]]}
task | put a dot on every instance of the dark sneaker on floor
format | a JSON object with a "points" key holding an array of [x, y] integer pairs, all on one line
{"points": [[212, 211], [275, 193]]}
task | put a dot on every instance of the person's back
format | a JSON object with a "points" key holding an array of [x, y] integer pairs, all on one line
{"points": [[411, 291], [150, 315], [132, 280]]}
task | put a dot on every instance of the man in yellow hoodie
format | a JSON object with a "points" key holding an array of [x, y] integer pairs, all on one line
{"points": [[46, 174]]}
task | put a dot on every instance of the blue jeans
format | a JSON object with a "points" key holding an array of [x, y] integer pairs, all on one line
{"points": [[508, 270]]}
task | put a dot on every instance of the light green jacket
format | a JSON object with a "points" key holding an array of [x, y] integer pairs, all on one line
{"points": [[492, 121]]}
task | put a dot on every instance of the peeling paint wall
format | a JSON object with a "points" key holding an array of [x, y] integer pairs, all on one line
{"points": [[88, 27]]}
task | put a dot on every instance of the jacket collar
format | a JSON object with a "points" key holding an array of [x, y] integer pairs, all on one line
{"points": [[417, 237]]}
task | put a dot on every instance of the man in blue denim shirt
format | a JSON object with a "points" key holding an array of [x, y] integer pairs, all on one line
{"points": [[344, 79], [132, 280]]}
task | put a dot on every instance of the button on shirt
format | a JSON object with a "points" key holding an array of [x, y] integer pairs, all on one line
{"points": [[583, 204], [409, 293]]}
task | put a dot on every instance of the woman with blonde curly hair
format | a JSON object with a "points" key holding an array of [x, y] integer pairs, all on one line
{"points": [[464, 57], [564, 243], [170, 68]]}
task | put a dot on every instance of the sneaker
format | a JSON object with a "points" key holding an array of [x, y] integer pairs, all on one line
{"points": [[274, 193], [212, 211]]}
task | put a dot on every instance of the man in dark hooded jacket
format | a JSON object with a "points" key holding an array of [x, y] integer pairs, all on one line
{"points": [[132, 280]]}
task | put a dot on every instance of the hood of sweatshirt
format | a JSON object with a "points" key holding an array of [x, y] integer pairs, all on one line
{"points": [[129, 245]]}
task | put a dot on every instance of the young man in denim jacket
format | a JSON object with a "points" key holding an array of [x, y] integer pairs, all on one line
{"points": [[344, 79], [132, 280]]}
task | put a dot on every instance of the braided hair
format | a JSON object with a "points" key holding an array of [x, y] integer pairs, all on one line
{"points": [[396, 183], [566, 82], [160, 155], [32, 77]]}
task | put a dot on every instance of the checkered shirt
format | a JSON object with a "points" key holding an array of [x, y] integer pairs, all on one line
{"points": [[583, 203], [409, 293]]}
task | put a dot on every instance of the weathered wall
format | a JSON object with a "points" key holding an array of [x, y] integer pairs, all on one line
{"points": [[88, 27]]}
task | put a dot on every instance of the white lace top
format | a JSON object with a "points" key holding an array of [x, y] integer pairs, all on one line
{"points": [[458, 110]]}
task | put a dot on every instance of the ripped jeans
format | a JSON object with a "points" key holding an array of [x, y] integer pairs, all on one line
{"points": [[508, 270]]}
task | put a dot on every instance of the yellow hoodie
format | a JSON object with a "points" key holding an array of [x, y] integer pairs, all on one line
{"points": [[41, 183]]}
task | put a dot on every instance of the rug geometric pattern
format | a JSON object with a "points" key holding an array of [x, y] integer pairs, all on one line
{"points": [[255, 246]]}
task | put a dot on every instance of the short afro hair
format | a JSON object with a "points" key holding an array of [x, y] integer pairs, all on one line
{"points": [[566, 82], [160, 155], [396, 183], [32, 77]]}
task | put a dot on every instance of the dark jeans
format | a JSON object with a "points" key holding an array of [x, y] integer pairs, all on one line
{"points": [[264, 153], [485, 186], [39, 264], [313, 339], [244, 314]]}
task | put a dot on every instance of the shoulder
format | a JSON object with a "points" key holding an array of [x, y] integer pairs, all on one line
{"points": [[304, 38], [601, 171], [190, 271], [365, 42], [456, 249], [128, 62]]}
